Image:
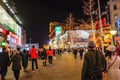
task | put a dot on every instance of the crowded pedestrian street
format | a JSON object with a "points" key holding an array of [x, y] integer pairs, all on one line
{"points": [[64, 67]]}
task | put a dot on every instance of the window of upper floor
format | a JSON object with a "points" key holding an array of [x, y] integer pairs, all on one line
{"points": [[115, 7]]}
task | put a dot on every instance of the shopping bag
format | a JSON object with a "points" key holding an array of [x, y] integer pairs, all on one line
{"points": [[54, 57]]}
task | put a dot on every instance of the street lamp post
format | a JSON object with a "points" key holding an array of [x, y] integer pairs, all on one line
{"points": [[30, 42]]}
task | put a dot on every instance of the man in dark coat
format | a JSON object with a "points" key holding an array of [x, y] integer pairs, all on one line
{"points": [[4, 60], [16, 63], [25, 56], [43, 56], [75, 53], [94, 63]]}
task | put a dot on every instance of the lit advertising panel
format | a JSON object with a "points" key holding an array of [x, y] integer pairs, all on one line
{"points": [[7, 21], [79, 35], [19, 31], [2, 31], [118, 23], [58, 31]]}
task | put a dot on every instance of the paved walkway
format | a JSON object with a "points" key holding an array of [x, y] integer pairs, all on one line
{"points": [[65, 67]]}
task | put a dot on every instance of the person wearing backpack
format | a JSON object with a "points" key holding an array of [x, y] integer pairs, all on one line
{"points": [[94, 63], [43, 56]]}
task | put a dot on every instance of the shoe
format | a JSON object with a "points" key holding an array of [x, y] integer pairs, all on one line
{"points": [[38, 69]]}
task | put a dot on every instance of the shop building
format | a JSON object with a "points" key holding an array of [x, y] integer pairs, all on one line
{"points": [[114, 10], [61, 37], [10, 26]]}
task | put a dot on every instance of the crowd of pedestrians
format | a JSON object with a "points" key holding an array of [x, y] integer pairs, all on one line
{"points": [[96, 65], [19, 60]]}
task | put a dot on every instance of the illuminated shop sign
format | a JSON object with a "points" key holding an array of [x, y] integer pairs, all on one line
{"points": [[58, 31], [13, 35], [19, 31], [3, 44], [118, 23], [13, 38], [2, 31], [7, 21]]}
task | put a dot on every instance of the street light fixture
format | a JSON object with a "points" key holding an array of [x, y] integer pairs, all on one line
{"points": [[113, 33]]}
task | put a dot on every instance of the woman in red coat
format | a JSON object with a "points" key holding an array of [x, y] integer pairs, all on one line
{"points": [[50, 54], [34, 57]]}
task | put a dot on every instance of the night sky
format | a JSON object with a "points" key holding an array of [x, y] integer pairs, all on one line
{"points": [[37, 14]]}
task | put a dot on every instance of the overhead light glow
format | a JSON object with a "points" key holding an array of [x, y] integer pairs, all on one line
{"points": [[5, 1]]}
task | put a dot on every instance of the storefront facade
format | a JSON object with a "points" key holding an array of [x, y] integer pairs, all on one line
{"points": [[11, 31]]}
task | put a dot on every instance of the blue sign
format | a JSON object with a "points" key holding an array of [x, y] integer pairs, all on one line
{"points": [[118, 23]]}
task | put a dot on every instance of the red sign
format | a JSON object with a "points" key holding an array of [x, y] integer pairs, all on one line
{"points": [[13, 35], [3, 31], [104, 25]]}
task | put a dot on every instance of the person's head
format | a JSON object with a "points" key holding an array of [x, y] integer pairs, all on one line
{"points": [[44, 49], [91, 44], [18, 49], [49, 48], [33, 46], [111, 48], [24, 51]]}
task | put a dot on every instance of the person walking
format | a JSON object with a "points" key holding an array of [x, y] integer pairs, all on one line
{"points": [[94, 63], [34, 56], [43, 56], [16, 60], [4, 60], [81, 53], [25, 59], [50, 54], [75, 51], [113, 63]]}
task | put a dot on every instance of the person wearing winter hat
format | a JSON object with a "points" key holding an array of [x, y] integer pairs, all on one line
{"points": [[94, 63], [113, 63], [91, 44], [109, 50]]}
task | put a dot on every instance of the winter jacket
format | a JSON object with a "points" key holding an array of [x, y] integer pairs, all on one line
{"points": [[33, 53], [50, 53], [25, 59], [16, 62], [90, 64], [43, 55], [4, 59], [114, 70]]}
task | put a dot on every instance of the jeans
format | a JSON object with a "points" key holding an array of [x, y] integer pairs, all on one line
{"points": [[16, 74], [3, 72], [50, 59], [34, 61]]}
